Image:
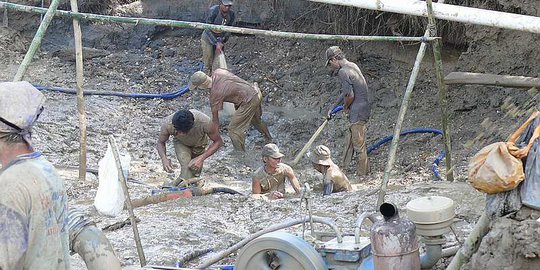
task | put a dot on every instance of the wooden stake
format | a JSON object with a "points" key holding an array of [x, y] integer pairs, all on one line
{"points": [[122, 179], [399, 122], [36, 42], [197, 25], [80, 97], [443, 104]]}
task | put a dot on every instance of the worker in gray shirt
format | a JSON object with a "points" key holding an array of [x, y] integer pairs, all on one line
{"points": [[212, 40], [355, 101]]}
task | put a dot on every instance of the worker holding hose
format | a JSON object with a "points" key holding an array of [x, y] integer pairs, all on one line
{"points": [[212, 41], [191, 130], [271, 177], [33, 199], [334, 179], [226, 87], [355, 101]]}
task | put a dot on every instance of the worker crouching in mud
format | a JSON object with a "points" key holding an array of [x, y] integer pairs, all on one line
{"points": [[334, 179], [33, 200], [271, 177], [227, 87], [191, 130]]}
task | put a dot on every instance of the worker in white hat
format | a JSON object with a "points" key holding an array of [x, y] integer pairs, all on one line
{"points": [[271, 177], [33, 199], [334, 179]]}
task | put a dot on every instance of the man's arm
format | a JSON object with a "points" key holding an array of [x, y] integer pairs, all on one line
{"points": [[347, 91], [13, 238], [328, 186], [232, 17], [217, 142], [255, 185], [293, 180], [162, 148], [213, 11]]}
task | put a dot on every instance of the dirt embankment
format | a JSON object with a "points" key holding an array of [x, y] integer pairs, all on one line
{"points": [[297, 91]]}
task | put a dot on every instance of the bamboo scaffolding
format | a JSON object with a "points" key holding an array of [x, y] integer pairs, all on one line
{"points": [[77, 34], [399, 122], [36, 42], [443, 104], [197, 25], [123, 182]]}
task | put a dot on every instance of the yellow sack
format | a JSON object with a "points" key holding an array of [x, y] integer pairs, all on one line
{"points": [[498, 167]]}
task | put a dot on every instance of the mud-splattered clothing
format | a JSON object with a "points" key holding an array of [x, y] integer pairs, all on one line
{"points": [[227, 87], [273, 182], [353, 83], [247, 98], [33, 216], [209, 38], [191, 144], [215, 16], [337, 178]]}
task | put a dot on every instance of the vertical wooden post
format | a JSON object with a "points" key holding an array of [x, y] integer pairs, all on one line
{"points": [[5, 19], [122, 178], [80, 96], [36, 42], [399, 122], [443, 104]]}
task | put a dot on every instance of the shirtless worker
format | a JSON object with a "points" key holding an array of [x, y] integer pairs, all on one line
{"points": [[33, 199], [270, 178], [190, 130], [227, 87], [334, 180], [355, 101]]}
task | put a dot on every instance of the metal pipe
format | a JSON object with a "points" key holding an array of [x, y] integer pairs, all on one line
{"points": [[359, 223], [90, 243], [276, 227], [95, 250], [448, 12], [432, 254], [198, 25], [451, 251]]}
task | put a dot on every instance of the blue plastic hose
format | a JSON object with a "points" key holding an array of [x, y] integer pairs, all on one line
{"points": [[170, 95], [434, 165]]}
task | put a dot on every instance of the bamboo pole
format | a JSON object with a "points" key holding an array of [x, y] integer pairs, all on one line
{"points": [[36, 42], [471, 244], [448, 12], [399, 122], [491, 79], [122, 177], [197, 25], [443, 104], [309, 143], [80, 96]]}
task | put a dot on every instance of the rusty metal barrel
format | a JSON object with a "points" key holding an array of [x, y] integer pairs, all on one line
{"points": [[393, 241]]}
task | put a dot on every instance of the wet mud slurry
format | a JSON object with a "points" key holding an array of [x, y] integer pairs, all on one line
{"points": [[297, 91]]}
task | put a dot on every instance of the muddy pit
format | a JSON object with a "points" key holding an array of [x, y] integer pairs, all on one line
{"points": [[297, 90]]}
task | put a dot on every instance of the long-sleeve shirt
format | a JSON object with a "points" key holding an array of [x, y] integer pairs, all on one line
{"points": [[215, 16]]}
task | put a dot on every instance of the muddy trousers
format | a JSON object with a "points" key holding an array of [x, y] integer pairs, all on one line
{"points": [[210, 59], [356, 142], [185, 154], [247, 114]]}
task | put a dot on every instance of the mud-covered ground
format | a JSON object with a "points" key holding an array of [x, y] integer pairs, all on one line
{"points": [[297, 90]]}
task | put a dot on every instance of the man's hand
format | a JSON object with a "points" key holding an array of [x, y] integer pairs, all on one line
{"points": [[276, 195], [196, 163], [219, 47], [167, 165]]}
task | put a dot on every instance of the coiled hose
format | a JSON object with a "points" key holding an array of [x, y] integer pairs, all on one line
{"points": [[434, 165]]}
